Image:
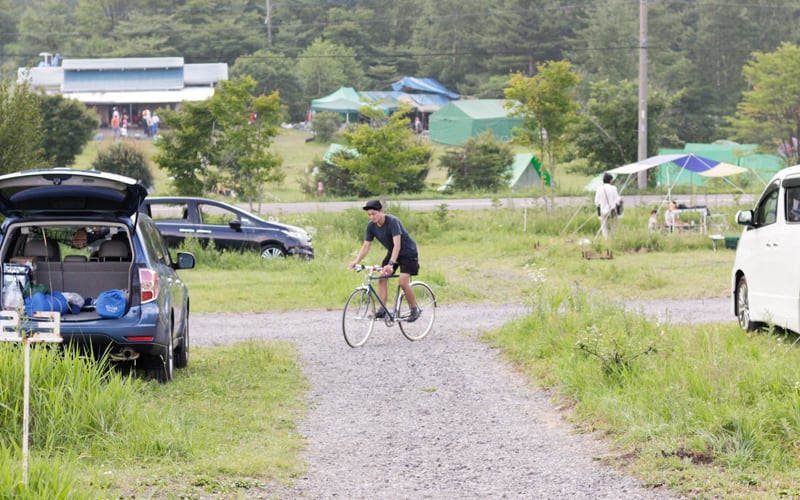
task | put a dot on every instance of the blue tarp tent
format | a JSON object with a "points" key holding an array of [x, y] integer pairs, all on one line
{"points": [[412, 85]]}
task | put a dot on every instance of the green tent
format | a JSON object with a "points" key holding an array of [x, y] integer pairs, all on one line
{"points": [[457, 121], [526, 172], [345, 101]]}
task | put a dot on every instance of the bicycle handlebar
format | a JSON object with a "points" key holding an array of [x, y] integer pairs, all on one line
{"points": [[360, 267]]}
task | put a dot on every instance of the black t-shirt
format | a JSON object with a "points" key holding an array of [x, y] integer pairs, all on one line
{"points": [[385, 234]]}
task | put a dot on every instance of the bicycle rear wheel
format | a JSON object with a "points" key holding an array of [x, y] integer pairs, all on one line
{"points": [[358, 317], [426, 301]]}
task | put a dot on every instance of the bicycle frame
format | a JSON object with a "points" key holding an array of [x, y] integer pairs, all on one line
{"points": [[391, 315], [360, 312]]}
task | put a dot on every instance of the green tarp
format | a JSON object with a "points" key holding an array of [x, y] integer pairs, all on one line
{"points": [[457, 121], [345, 101]]}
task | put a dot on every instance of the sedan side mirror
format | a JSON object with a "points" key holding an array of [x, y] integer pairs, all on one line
{"points": [[235, 224], [744, 217]]}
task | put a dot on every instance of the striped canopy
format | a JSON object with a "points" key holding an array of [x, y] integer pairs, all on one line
{"points": [[697, 164]]}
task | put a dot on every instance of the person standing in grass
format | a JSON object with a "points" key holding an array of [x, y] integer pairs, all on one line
{"points": [[401, 252], [607, 199]]}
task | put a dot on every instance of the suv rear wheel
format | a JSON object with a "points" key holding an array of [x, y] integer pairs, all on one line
{"points": [[161, 367], [182, 351]]}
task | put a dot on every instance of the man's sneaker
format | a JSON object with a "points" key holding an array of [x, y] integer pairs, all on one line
{"points": [[414, 315], [380, 314]]}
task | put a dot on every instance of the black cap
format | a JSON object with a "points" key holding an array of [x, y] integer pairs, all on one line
{"points": [[373, 205]]}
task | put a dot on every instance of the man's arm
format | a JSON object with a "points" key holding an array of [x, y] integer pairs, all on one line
{"points": [[361, 254], [389, 267], [395, 248]]}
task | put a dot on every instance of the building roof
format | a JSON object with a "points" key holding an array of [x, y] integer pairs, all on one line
{"points": [[123, 63], [205, 73]]}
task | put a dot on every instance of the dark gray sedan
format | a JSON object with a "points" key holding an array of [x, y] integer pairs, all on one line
{"points": [[230, 227]]}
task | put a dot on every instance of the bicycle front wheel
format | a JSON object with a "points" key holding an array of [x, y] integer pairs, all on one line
{"points": [[358, 317], [426, 302]]}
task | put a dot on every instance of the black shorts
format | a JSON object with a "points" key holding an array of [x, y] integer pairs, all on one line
{"points": [[409, 265]]}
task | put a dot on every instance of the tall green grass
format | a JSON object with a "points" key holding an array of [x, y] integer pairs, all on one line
{"points": [[704, 409], [96, 433], [468, 256]]}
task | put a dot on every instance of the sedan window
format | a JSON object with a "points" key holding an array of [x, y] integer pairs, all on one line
{"points": [[211, 214]]}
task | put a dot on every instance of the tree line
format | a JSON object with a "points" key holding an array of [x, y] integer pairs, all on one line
{"points": [[717, 71], [306, 50]]}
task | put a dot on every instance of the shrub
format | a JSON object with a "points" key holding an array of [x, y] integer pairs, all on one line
{"points": [[325, 125], [125, 160]]}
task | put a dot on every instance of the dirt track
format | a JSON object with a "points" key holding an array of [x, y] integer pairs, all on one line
{"points": [[446, 417]]}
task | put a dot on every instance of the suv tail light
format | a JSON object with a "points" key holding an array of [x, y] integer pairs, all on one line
{"points": [[149, 284]]}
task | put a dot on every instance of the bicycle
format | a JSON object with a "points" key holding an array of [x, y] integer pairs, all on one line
{"points": [[361, 307]]}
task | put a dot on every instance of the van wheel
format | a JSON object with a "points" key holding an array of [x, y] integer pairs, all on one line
{"points": [[743, 306]]}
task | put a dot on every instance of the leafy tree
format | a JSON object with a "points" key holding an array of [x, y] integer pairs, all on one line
{"points": [[609, 45], [184, 148], [323, 67], [544, 101], [325, 125], [336, 181], [511, 25], [482, 164], [217, 141], [20, 128], [241, 144], [43, 29], [606, 133], [388, 160], [103, 15], [67, 126], [274, 72], [124, 159], [141, 35], [451, 44], [769, 113]]}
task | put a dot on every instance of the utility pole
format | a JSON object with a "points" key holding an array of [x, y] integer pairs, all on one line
{"points": [[642, 176], [268, 22]]}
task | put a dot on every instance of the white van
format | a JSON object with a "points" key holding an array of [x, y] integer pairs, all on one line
{"points": [[766, 276]]}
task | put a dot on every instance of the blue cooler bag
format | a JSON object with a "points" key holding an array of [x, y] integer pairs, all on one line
{"points": [[110, 304], [46, 302]]}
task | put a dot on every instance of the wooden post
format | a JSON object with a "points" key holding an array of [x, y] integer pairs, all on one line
{"points": [[44, 331]]}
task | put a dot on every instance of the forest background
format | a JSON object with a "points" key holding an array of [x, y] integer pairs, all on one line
{"points": [[307, 49]]}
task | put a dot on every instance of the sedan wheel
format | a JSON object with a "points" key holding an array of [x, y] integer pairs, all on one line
{"points": [[743, 306], [272, 252]]}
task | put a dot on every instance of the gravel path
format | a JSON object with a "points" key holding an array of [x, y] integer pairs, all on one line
{"points": [[442, 418]]}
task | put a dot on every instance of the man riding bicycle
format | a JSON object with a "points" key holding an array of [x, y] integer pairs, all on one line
{"points": [[401, 252]]}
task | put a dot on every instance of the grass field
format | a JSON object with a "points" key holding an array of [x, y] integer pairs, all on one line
{"points": [[704, 409]]}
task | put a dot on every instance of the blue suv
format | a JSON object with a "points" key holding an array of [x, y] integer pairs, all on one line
{"points": [[79, 233]]}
